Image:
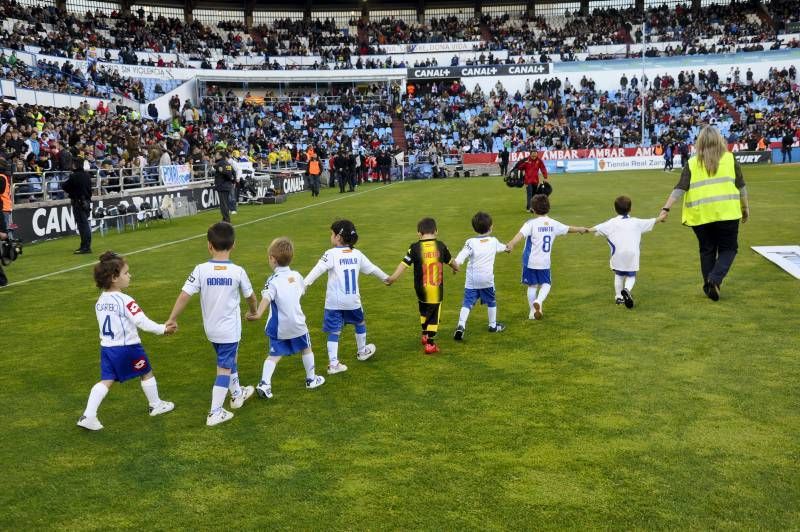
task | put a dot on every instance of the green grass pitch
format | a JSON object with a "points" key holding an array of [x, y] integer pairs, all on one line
{"points": [[679, 414]]}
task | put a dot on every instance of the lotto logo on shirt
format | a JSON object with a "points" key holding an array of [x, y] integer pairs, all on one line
{"points": [[139, 364], [133, 308]]}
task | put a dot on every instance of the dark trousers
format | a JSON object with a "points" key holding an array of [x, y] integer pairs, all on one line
{"points": [[313, 183], [225, 204], [718, 246], [503, 168], [3, 278], [530, 191], [342, 179], [84, 229], [351, 179], [786, 153]]}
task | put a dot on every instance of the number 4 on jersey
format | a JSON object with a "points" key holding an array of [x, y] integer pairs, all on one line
{"points": [[107, 327]]}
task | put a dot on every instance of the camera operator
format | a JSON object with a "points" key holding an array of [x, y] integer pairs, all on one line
{"points": [[224, 178], [79, 189], [5, 186]]}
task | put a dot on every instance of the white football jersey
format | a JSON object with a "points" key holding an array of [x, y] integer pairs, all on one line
{"points": [[119, 316], [219, 284], [284, 290], [539, 233], [343, 266], [480, 251], [624, 235]]}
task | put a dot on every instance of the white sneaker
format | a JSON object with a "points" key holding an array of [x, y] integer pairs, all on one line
{"points": [[338, 368], [162, 407], [366, 353], [531, 315], [316, 382], [264, 390], [220, 416], [89, 423], [246, 393], [234, 212]]}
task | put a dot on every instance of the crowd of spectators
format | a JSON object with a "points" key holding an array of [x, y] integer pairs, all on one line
{"points": [[739, 26]]}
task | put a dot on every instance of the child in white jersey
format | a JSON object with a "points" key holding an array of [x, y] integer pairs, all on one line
{"points": [[539, 234], [343, 298], [286, 326], [219, 282], [624, 236], [122, 356], [479, 283]]}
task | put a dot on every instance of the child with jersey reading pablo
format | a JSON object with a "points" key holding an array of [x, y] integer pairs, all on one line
{"points": [[539, 234], [286, 325], [624, 236], [122, 356], [344, 263], [428, 257], [219, 282], [479, 282]]}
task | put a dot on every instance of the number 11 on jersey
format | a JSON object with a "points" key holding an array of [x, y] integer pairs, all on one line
{"points": [[350, 281]]}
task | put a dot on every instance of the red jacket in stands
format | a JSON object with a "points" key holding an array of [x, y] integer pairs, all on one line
{"points": [[532, 167]]}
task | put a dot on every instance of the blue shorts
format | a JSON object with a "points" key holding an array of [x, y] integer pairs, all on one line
{"points": [[226, 354], [625, 274], [484, 295], [334, 320], [282, 348], [532, 277], [123, 363]]}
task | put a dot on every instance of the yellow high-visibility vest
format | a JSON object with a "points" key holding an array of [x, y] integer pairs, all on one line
{"points": [[711, 198]]}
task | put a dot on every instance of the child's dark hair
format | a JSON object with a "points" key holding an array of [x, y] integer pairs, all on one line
{"points": [[110, 266], [221, 236], [347, 230], [622, 205], [282, 250], [540, 204], [426, 226], [482, 223]]}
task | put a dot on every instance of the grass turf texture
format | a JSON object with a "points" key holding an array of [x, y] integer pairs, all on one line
{"points": [[681, 413]]}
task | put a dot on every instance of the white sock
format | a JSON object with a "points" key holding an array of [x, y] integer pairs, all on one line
{"points": [[269, 369], [618, 284], [492, 316], [218, 394], [531, 295], [629, 282], [543, 291], [333, 353], [361, 341], [234, 387], [308, 363], [462, 318], [96, 396], [150, 389]]}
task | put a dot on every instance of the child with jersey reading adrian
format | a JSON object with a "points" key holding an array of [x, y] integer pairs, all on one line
{"points": [[286, 325], [539, 234], [344, 264], [480, 251], [122, 356], [219, 282], [428, 257], [624, 236]]}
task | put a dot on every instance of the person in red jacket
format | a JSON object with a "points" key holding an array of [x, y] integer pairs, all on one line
{"points": [[531, 167]]}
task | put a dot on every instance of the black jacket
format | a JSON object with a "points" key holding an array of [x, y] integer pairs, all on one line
{"points": [[78, 185], [224, 175]]}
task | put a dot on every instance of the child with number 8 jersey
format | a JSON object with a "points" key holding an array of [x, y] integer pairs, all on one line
{"points": [[344, 263], [539, 234]]}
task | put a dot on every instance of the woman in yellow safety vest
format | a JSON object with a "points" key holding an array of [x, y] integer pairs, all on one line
{"points": [[714, 200]]}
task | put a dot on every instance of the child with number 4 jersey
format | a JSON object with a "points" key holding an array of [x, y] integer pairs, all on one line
{"points": [[539, 234], [122, 356], [479, 283], [343, 298]]}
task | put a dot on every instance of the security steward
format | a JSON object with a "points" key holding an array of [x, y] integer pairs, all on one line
{"points": [[224, 179], [314, 171], [5, 195], [78, 187]]}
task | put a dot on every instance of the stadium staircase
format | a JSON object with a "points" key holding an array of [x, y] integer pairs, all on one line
{"points": [[399, 133], [720, 99]]}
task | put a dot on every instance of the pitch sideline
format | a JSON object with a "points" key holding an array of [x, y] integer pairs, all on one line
{"points": [[193, 237]]}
